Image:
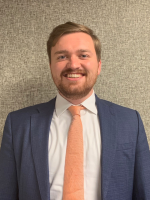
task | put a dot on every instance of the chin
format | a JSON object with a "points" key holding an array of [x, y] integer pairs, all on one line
{"points": [[75, 94]]}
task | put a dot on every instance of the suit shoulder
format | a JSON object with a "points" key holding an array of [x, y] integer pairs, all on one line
{"points": [[117, 106], [118, 109], [124, 116], [33, 109]]}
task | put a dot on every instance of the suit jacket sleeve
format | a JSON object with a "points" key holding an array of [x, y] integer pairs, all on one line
{"points": [[141, 187], [8, 172]]}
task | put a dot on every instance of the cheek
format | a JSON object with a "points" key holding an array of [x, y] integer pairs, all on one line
{"points": [[87, 65], [91, 66], [56, 69]]}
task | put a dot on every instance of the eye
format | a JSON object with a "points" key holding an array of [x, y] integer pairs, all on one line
{"points": [[62, 57], [84, 55]]}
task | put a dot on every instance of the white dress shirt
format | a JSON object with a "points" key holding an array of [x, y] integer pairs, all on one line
{"points": [[59, 128]]}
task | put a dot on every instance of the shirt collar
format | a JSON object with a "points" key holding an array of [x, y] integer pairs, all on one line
{"points": [[62, 104]]}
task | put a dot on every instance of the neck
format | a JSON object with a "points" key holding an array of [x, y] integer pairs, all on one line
{"points": [[77, 101]]}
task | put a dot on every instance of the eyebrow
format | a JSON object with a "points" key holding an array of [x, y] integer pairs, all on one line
{"points": [[84, 50], [61, 52], [65, 51]]}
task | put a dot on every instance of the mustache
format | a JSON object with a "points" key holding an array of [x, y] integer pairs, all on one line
{"points": [[77, 71]]}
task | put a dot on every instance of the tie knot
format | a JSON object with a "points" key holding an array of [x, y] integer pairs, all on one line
{"points": [[75, 110]]}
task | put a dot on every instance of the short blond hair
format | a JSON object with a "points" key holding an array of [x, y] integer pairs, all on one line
{"points": [[71, 27]]}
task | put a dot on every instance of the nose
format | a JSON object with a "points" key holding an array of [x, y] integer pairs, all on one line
{"points": [[74, 62]]}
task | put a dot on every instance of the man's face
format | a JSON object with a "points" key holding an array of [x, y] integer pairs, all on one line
{"points": [[74, 65]]}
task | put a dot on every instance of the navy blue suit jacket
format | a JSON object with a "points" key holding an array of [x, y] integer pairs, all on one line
{"points": [[125, 161]]}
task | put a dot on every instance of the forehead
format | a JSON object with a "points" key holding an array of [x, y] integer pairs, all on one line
{"points": [[74, 41]]}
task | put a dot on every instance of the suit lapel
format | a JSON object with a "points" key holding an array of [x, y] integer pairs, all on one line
{"points": [[40, 126], [108, 137]]}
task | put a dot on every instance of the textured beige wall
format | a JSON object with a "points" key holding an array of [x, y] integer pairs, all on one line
{"points": [[123, 27]]}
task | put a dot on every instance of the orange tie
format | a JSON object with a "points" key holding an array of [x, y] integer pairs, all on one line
{"points": [[74, 173]]}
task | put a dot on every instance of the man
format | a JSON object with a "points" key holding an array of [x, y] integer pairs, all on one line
{"points": [[110, 140]]}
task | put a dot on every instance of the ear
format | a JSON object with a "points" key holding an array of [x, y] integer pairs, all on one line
{"points": [[99, 67]]}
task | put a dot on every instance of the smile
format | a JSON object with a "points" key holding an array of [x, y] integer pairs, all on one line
{"points": [[74, 75]]}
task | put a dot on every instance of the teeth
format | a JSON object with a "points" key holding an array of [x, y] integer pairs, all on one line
{"points": [[74, 75]]}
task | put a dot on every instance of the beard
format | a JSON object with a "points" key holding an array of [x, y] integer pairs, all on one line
{"points": [[74, 90]]}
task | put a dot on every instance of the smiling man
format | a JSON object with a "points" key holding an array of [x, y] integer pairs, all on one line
{"points": [[76, 146], [75, 66]]}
